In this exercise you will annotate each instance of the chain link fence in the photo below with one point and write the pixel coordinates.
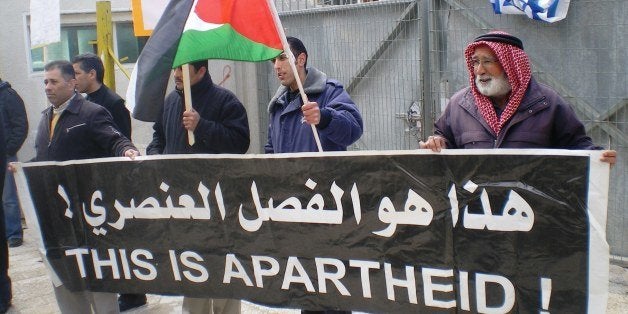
(402, 60)
(373, 49)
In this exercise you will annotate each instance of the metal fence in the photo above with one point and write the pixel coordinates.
(402, 60)
(373, 49)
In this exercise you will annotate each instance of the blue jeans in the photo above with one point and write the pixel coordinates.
(12, 212)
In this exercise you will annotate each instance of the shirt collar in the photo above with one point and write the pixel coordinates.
(64, 105)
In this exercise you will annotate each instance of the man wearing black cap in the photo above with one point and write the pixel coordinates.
(505, 107)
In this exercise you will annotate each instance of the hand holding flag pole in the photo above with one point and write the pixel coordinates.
(193, 30)
(291, 60)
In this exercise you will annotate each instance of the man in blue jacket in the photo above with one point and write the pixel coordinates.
(505, 107)
(330, 109)
(15, 126)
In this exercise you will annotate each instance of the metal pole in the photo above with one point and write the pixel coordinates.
(427, 122)
(104, 32)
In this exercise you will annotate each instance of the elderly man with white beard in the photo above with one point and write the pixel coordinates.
(504, 107)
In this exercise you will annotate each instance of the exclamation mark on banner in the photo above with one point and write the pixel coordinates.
(546, 294)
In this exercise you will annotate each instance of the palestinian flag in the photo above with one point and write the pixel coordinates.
(188, 31)
(242, 30)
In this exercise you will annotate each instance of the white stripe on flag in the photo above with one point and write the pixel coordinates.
(130, 90)
(545, 10)
(152, 11)
(194, 22)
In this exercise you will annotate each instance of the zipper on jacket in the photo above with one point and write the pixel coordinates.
(511, 123)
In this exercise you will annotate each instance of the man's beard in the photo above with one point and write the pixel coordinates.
(497, 86)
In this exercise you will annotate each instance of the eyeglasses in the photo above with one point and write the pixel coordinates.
(486, 63)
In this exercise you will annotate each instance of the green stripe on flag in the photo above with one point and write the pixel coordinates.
(220, 43)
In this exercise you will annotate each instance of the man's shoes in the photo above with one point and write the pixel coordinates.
(15, 242)
(129, 301)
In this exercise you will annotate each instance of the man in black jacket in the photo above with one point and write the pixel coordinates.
(5, 281)
(217, 118)
(219, 124)
(74, 128)
(15, 125)
(90, 71)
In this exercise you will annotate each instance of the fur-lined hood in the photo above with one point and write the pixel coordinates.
(315, 82)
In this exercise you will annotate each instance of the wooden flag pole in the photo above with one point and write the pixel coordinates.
(292, 61)
(293, 66)
(187, 97)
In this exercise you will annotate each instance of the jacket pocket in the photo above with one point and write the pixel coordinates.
(475, 139)
(527, 139)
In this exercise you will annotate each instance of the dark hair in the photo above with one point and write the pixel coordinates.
(199, 64)
(89, 61)
(66, 68)
(297, 47)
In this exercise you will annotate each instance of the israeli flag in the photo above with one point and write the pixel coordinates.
(544, 10)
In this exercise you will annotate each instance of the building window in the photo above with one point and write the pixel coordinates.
(82, 39)
(129, 46)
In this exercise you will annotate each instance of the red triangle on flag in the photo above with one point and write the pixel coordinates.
(240, 15)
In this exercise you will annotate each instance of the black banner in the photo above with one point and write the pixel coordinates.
(380, 232)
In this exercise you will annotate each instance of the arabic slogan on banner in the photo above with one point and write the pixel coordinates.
(476, 231)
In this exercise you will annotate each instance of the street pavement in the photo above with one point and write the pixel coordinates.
(32, 289)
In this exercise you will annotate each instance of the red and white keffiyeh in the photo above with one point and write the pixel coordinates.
(516, 64)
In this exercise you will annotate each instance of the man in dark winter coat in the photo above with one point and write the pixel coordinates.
(504, 107)
(74, 128)
(15, 126)
(5, 281)
(217, 118)
(90, 71)
(219, 124)
(330, 108)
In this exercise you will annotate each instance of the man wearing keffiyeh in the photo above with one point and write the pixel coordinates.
(505, 107)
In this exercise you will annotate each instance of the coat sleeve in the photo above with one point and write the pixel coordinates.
(268, 148)
(229, 133)
(122, 117)
(442, 127)
(157, 145)
(569, 132)
(345, 122)
(107, 135)
(17, 123)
